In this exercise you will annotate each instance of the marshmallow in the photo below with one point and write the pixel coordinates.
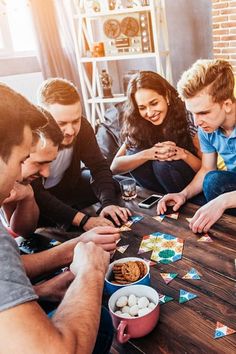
(126, 315)
(125, 309)
(134, 310)
(122, 301)
(143, 311)
(143, 302)
(151, 305)
(132, 300)
(119, 313)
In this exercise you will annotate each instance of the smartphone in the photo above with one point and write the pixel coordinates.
(150, 201)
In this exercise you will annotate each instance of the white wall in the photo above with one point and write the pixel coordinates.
(190, 38)
(26, 84)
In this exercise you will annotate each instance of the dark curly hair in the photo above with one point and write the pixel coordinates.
(140, 133)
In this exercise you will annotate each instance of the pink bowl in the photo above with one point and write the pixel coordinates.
(134, 327)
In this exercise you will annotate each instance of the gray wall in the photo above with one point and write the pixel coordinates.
(190, 32)
(190, 38)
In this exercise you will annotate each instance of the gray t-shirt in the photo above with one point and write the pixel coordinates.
(15, 287)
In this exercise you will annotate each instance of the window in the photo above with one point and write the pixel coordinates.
(16, 29)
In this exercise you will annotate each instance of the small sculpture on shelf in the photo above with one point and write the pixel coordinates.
(125, 4)
(106, 83)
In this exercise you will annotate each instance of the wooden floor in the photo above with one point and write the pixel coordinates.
(188, 327)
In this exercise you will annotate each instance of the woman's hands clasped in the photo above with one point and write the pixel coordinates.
(165, 151)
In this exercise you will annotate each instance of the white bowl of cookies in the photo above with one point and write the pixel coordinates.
(126, 271)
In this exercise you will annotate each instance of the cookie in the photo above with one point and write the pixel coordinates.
(119, 277)
(130, 271)
(117, 271)
(117, 266)
(121, 282)
(142, 268)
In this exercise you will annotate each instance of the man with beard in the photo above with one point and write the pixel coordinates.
(20, 208)
(22, 214)
(79, 311)
(65, 191)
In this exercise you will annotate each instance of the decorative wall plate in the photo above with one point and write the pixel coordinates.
(129, 26)
(112, 28)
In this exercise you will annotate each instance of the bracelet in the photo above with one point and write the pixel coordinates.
(84, 220)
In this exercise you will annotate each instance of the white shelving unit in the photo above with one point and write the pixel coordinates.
(122, 41)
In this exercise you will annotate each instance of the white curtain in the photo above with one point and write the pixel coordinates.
(55, 43)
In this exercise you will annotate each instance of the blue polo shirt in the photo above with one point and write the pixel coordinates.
(224, 146)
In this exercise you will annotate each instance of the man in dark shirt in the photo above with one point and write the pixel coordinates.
(65, 191)
(79, 311)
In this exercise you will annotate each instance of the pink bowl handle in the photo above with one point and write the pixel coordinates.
(121, 336)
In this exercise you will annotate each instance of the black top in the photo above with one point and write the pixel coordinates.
(85, 150)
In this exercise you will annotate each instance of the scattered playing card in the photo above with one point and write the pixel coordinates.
(159, 218)
(168, 277)
(185, 296)
(132, 220)
(163, 299)
(124, 228)
(205, 238)
(167, 248)
(222, 330)
(192, 274)
(148, 243)
(122, 248)
(188, 219)
(173, 216)
(151, 263)
(136, 218)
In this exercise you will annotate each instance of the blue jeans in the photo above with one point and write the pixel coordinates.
(163, 176)
(105, 332)
(219, 182)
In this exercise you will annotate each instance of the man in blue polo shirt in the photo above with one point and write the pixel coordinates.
(208, 91)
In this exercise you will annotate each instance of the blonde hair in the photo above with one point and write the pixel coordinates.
(214, 75)
(57, 90)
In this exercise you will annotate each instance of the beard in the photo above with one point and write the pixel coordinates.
(68, 146)
(29, 179)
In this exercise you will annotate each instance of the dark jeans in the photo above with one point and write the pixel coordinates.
(105, 332)
(219, 182)
(163, 176)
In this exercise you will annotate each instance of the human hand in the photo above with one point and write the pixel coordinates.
(20, 192)
(89, 257)
(206, 216)
(54, 289)
(171, 199)
(113, 211)
(159, 151)
(104, 236)
(165, 150)
(180, 154)
(95, 221)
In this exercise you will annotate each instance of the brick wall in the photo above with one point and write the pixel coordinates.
(224, 30)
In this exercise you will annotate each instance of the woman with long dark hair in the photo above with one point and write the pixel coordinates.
(160, 145)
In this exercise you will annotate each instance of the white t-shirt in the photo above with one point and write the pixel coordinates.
(58, 168)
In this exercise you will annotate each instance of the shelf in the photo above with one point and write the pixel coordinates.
(123, 57)
(116, 99)
(114, 12)
(87, 29)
